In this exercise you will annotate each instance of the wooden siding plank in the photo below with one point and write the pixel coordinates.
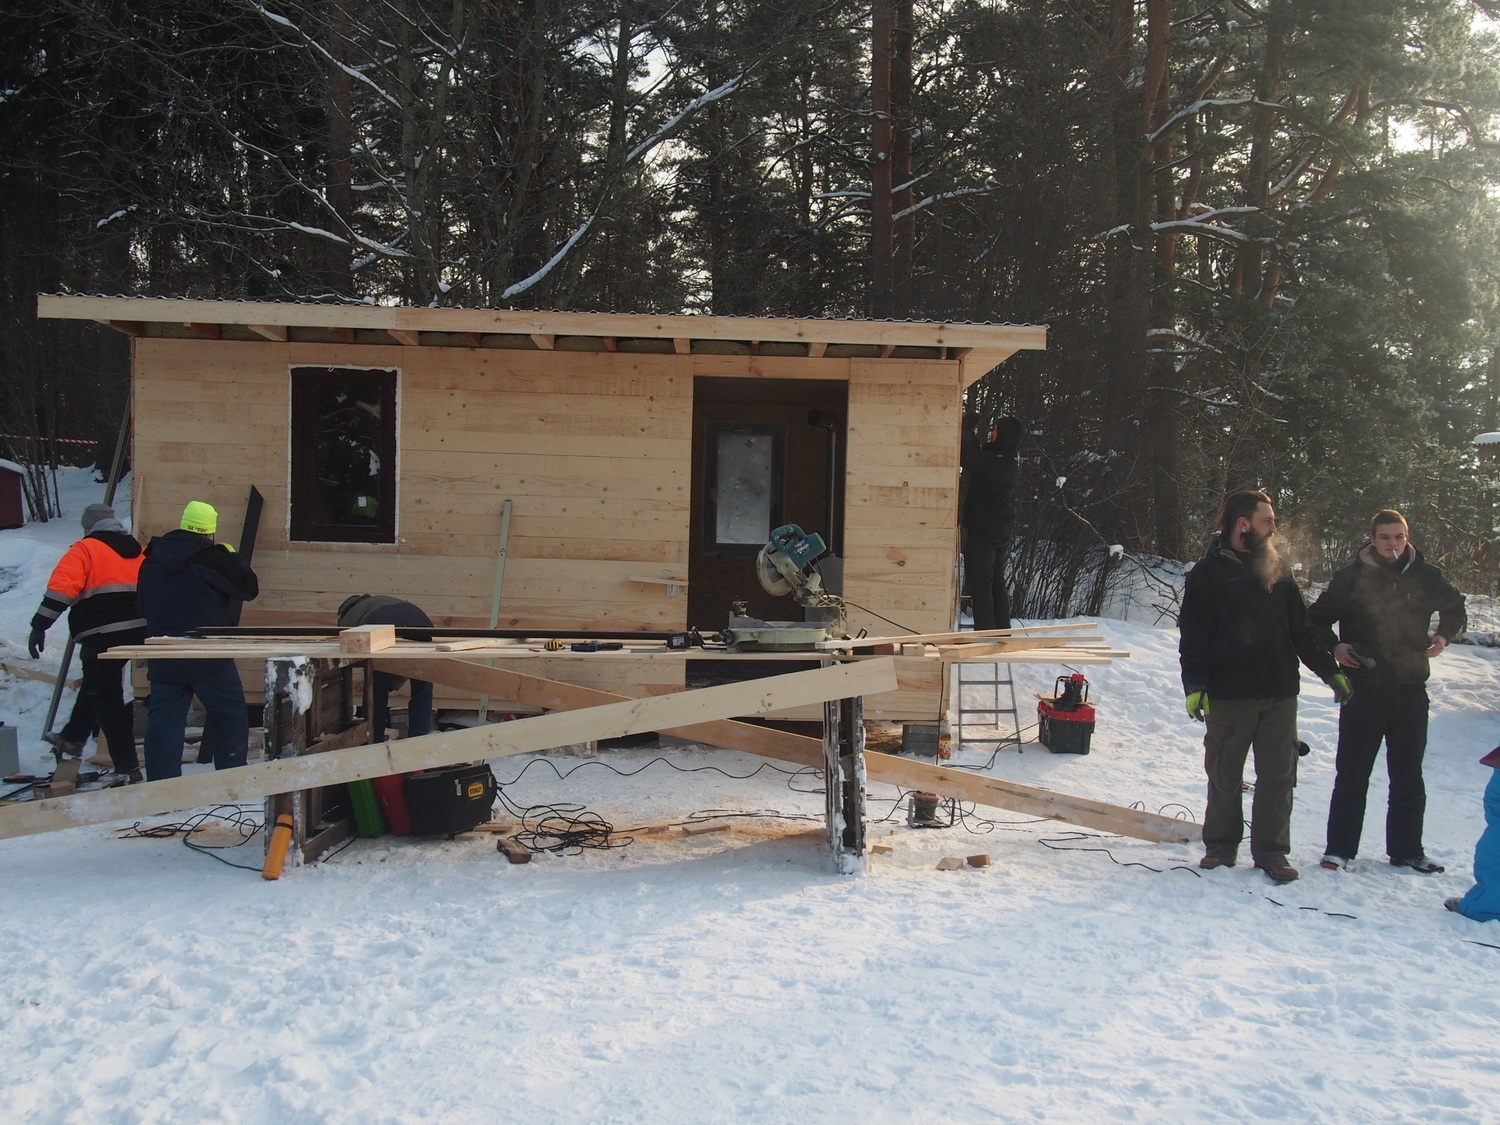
(537, 442)
(770, 367)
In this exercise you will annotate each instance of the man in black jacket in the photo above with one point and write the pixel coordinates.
(989, 513)
(188, 581)
(1244, 626)
(383, 609)
(1383, 602)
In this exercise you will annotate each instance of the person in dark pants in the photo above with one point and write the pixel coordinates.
(382, 609)
(81, 725)
(1383, 603)
(989, 513)
(95, 581)
(1244, 627)
(188, 582)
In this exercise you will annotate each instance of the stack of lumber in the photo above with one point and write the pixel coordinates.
(1025, 644)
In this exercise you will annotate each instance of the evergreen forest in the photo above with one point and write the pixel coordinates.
(1264, 234)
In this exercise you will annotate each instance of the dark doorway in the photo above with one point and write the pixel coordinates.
(765, 452)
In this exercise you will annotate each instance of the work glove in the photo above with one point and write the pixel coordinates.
(1197, 705)
(36, 642)
(1343, 691)
(228, 547)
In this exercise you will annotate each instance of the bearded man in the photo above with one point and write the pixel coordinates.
(1383, 603)
(1243, 627)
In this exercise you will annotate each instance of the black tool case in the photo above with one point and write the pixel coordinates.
(443, 802)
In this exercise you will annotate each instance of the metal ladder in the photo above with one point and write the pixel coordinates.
(989, 678)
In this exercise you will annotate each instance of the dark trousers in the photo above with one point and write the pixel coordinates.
(984, 568)
(103, 699)
(1397, 715)
(81, 722)
(418, 711)
(217, 685)
(1234, 726)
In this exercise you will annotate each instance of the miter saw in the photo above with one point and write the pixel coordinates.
(787, 564)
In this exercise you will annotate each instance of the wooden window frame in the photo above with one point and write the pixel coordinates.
(305, 380)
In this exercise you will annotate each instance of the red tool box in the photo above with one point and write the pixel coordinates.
(1065, 722)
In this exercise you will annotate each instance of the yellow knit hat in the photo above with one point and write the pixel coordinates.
(200, 518)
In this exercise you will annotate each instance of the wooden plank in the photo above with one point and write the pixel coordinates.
(557, 695)
(269, 331)
(367, 638)
(406, 337)
(1003, 650)
(543, 732)
(966, 786)
(770, 367)
(513, 851)
(545, 341)
(526, 321)
(944, 638)
(36, 675)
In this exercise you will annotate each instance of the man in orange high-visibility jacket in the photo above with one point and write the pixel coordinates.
(95, 582)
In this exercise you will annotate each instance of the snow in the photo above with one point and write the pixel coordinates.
(732, 975)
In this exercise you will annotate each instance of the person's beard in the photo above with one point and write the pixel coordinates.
(1266, 562)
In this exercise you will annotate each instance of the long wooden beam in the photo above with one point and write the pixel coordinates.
(563, 728)
(556, 695)
(982, 790)
(801, 750)
(995, 341)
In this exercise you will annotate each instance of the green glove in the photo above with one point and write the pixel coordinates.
(1197, 705)
(1343, 691)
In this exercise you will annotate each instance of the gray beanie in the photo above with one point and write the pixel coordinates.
(94, 513)
(106, 525)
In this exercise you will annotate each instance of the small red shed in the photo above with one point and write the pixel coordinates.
(12, 500)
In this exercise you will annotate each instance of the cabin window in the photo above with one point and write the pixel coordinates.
(745, 464)
(343, 455)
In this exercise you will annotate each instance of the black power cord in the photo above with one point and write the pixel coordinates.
(570, 829)
(237, 815)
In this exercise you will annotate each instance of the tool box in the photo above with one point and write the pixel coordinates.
(444, 802)
(1065, 720)
(388, 791)
(368, 821)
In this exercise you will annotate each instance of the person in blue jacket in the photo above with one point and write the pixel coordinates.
(187, 582)
(1482, 903)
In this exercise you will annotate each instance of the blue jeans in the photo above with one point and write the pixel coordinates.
(418, 712)
(217, 684)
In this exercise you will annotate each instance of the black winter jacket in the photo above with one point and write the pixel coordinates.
(383, 609)
(1241, 640)
(989, 486)
(1385, 612)
(188, 582)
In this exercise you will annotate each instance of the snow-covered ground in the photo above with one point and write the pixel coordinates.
(731, 976)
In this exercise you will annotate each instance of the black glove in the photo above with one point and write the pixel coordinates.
(36, 642)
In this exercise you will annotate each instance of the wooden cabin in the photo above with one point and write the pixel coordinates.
(645, 459)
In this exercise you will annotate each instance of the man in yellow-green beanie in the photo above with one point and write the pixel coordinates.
(188, 582)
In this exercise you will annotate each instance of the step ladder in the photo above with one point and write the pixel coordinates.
(993, 687)
(992, 717)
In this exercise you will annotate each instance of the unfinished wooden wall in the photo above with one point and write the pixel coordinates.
(593, 450)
